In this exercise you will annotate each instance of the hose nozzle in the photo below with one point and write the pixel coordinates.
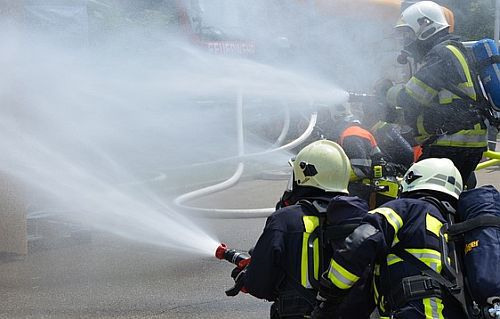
(239, 258)
(219, 252)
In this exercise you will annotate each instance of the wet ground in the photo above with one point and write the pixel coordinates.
(113, 278)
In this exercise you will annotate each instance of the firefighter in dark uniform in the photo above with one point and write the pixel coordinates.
(359, 145)
(365, 155)
(436, 101)
(284, 268)
(412, 224)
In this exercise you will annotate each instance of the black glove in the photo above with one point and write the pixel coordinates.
(239, 281)
(328, 300)
(324, 309)
(380, 89)
(235, 272)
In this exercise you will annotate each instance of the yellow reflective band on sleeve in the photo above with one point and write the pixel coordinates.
(446, 97)
(433, 308)
(433, 224)
(463, 62)
(310, 224)
(420, 91)
(340, 276)
(392, 217)
(393, 259)
(395, 241)
(468, 88)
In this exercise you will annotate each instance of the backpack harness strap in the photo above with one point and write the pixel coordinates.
(488, 61)
(486, 220)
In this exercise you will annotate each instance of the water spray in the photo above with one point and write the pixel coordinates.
(355, 97)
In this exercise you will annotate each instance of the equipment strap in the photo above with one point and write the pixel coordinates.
(330, 233)
(489, 61)
(313, 207)
(486, 220)
(426, 270)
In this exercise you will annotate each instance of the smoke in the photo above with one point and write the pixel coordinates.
(90, 129)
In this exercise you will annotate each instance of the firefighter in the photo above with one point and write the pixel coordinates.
(360, 146)
(284, 269)
(362, 149)
(411, 224)
(435, 99)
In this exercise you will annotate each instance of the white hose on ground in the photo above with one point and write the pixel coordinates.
(238, 213)
(286, 127)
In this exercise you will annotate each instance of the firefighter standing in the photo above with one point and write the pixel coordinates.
(411, 224)
(436, 101)
(284, 268)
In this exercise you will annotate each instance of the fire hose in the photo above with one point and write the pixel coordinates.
(231, 181)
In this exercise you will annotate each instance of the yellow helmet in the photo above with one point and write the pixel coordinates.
(434, 174)
(322, 164)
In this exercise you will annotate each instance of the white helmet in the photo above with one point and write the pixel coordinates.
(434, 174)
(322, 164)
(424, 18)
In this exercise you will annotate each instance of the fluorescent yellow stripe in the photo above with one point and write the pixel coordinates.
(391, 216)
(420, 91)
(465, 67)
(310, 224)
(316, 258)
(393, 259)
(464, 138)
(433, 308)
(433, 224)
(430, 257)
(303, 265)
(446, 97)
(340, 276)
(395, 241)
(421, 129)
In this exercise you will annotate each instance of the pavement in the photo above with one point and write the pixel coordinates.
(115, 278)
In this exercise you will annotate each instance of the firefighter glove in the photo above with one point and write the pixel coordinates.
(380, 89)
(324, 309)
(392, 95)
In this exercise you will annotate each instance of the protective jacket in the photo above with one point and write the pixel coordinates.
(407, 223)
(437, 115)
(284, 269)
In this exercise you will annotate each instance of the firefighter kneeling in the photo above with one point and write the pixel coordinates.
(291, 254)
(403, 241)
